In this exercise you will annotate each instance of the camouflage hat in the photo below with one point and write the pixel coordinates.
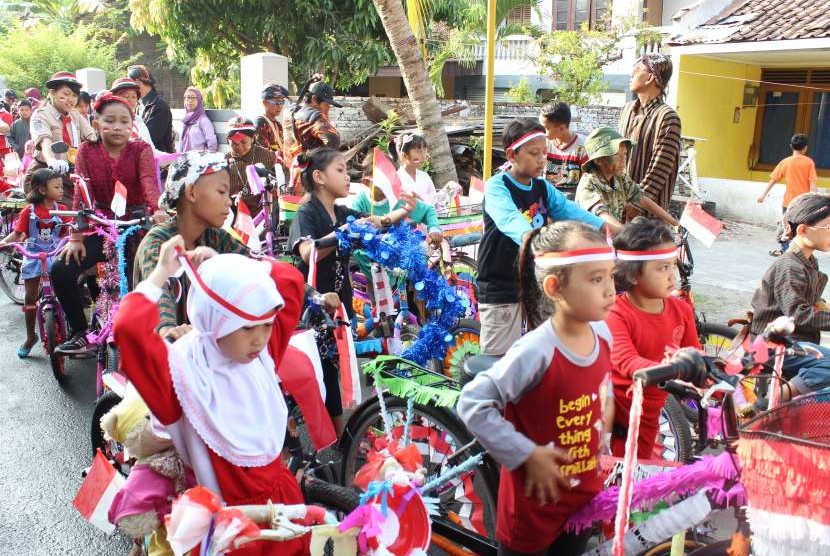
(603, 141)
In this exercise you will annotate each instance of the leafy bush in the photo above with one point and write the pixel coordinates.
(28, 57)
(521, 93)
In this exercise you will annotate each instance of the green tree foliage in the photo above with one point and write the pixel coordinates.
(28, 57)
(64, 13)
(521, 93)
(343, 39)
(574, 59)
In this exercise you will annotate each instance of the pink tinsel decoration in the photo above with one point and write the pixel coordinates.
(710, 473)
(629, 463)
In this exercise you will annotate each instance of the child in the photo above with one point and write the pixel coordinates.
(799, 173)
(539, 410)
(323, 175)
(566, 148)
(215, 390)
(42, 233)
(412, 153)
(605, 189)
(27, 155)
(515, 202)
(104, 163)
(645, 321)
(793, 286)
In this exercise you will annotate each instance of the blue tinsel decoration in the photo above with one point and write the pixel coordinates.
(120, 247)
(402, 247)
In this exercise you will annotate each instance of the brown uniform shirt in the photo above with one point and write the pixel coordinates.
(46, 123)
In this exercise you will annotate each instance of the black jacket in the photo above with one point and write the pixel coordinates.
(159, 119)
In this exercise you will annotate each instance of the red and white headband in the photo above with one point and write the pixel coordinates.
(524, 139)
(564, 258)
(648, 255)
(196, 280)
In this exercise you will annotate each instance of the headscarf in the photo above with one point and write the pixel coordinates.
(237, 409)
(33, 92)
(188, 168)
(660, 66)
(192, 118)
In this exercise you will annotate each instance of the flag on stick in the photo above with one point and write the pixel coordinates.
(703, 226)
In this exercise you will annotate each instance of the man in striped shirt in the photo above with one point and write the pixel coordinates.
(655, 127)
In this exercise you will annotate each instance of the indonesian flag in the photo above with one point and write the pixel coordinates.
(700, 224)
(349, 371)
(100, 486)
(299, 366)
(119, 199)
(385, 177)
(476, 189)
(86, 198)
(244, 226)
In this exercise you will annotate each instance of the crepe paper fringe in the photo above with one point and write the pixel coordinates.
(711, 473)
(681, 516)
(402, 248)
(777, 534)
(786, 478)
(629, 465)
(418, 385)
(451, 473)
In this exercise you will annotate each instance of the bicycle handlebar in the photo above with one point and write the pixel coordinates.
(688, 365)
(19, 247)
(98, 220)
(325, 242)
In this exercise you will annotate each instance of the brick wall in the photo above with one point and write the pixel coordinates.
(350, 120)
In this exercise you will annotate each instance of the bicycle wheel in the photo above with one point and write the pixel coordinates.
(54, 336)
(715, 339)
(467, 344)
(338, 498)
(113, 451)
(720, 548)
(664, 548)
(674, 441)
(467, 505)
(10, 281)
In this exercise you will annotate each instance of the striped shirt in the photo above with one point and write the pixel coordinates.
(792, 287)
(171, 313)
(656, 157)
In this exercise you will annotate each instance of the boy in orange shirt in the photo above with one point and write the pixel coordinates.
(799, 173)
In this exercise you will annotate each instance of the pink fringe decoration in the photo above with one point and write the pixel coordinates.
(711, 473)
(629, 463)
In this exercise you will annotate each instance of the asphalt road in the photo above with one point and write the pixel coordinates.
(44, 447)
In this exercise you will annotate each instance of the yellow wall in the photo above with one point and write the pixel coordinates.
(706, 105)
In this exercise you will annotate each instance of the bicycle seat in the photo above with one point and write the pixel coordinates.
(477, 364)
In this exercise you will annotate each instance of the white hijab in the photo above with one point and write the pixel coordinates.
(237, 409)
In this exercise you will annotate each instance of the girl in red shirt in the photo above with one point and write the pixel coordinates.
(42, 234)
(106, 163)
(215, 390)
(645, 321)
(539, 411)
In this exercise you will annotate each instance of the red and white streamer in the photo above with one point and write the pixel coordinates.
(629, 465)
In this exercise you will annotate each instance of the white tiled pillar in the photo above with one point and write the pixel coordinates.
(93, 79)
(256, 70)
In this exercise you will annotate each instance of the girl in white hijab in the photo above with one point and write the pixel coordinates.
(216, 390)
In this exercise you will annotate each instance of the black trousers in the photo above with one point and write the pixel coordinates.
(566, 544)
(65, 281)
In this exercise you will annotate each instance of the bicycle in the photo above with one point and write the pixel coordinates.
(11, 262)
(48, 312)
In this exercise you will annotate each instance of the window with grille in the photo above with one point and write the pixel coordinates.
(519, 16)
(569, 15)
(792, 101)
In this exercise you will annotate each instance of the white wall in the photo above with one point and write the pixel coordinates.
(736, 200)
(671, 7)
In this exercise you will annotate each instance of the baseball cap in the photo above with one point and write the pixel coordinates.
(324, 93)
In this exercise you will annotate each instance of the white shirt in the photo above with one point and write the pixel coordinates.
(421, 186)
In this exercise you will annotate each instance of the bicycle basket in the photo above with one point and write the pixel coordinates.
(785, 469)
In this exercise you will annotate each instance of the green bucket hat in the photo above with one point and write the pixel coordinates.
(603, 141)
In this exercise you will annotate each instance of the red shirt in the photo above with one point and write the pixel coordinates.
(641, 340)
(21, 226)
(144, 361)
(135, 167)
(565, 409)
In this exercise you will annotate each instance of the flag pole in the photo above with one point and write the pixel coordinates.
(489, 89)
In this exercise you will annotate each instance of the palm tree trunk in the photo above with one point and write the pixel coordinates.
(421, 94)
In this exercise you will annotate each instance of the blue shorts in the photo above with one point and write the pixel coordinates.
(808, 373)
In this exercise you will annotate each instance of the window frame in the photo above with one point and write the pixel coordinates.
(593, 14)
(802, 119)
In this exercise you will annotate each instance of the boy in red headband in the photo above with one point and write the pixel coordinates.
(516, 202)
(645, 321)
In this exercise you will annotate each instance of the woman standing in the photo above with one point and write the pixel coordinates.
(57, 120)
(198, 133)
